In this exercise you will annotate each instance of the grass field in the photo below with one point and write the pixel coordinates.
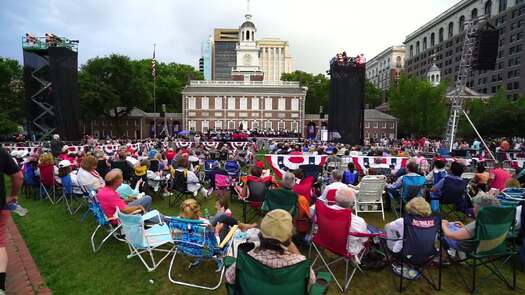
(60, 246)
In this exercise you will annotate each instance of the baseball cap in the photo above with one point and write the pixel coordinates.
(277, 225)
(64, 163)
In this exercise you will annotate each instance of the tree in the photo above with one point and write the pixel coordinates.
(499, 116)
(419, 106)
(373, 95)
(11, 96)
(110, 82)
(318, 89)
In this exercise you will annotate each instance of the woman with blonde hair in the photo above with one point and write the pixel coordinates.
(394, 230)
(88, 177)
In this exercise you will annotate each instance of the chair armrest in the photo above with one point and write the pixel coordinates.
(229, 236)
(367, 235)
(151, 214)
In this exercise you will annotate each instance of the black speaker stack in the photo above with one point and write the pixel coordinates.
(486, 49)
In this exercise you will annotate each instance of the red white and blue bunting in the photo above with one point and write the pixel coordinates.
(283, 163)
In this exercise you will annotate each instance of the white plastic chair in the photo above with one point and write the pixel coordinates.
(370, 194)
(146, 241)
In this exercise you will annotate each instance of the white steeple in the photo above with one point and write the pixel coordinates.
(434, 74)
(247, 51)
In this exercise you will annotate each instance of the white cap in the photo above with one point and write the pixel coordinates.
(64, 163)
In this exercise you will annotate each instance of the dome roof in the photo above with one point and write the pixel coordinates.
(434, 68)
(248, 24)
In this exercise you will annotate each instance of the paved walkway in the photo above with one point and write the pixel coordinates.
(23, 276)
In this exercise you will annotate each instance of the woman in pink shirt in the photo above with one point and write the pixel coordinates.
(499, 176)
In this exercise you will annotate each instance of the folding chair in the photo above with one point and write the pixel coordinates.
(412, 186)
(251, 205)
(493, 249)
(180, 189)
(305, 188)
(370, 193)
(233, 169)
(452, 199)
(195, 238)
(109, 225)
(419, 249)
(208, 168)
(47, 183)
(146, 241)
(331, 233)
(280, 199)
(31, 182)
(350, 177)
(512, 196)
(255, 278)
(69, 195)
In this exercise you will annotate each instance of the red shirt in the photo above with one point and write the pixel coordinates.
(500, 177)
(109, 200)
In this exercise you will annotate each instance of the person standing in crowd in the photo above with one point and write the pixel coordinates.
(498, 177)
(56, 145)
(8, 166)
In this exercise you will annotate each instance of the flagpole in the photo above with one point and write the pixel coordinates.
(154, 79)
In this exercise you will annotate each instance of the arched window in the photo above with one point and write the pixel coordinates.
(253, 35)
(502, 5)
(474, 13)
(417, 47)
(411, 50)
(488, 8)
(424, 43)
(461, 23)
(432, 78)
(398, 62)
(432, 39)
(441, 35)
(450, 29)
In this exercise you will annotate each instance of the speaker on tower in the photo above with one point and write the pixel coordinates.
(486, 51)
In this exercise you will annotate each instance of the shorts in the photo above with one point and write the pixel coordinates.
(4, 217)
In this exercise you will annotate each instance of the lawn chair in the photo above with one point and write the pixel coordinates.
(492, 248)
(255, 278)
(208, 168)
(280, 199)
(305, 188)
(251, 205)
(512, 196)
(109, 225)
(452, 200)
(233, 169)
(180, 188)
(47, 183)
(350, 177)
(195, 238)
(412, 186)
(146, 241)
(331, 233)
(419, 250)
(31, 182)
(370, 193)
(69, 195)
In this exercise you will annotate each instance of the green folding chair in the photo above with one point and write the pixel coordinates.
(255, 278)
(493, 249)
(280, 199)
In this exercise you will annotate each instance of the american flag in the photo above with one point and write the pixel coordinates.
(154, 65)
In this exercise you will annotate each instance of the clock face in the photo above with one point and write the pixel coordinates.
(247, 59)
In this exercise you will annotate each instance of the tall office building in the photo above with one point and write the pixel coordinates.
(224, 57)
(275, 58)
(442, 39)
(206, 58)
(385, 68)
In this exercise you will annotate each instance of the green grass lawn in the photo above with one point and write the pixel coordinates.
(60, 246)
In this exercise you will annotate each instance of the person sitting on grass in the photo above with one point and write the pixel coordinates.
(456, 233)
(276, 249)
(394, 230)
(110, 200)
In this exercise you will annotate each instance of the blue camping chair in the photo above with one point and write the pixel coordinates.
(233, 169)
(350, 177)
(108, 224)
(452, 199)
(195, 238)
(69, 195)
(512, 196)
(419, 250)
(31, 182)
(146, 241)
(412, 187)
(208, 168)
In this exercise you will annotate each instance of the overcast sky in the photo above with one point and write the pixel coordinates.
(315, 29)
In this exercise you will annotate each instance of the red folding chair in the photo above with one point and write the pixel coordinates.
(305, 187)
(47, 183)
(331, 233)
(330, 196)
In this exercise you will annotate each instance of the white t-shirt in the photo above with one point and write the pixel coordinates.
(88, 180)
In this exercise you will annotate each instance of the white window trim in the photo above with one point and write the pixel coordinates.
(255, 103)
(231, 122)
(243, 103)
(230, 106)
(268, 103)
(268, 123)
(294, 105)
(205, 106)
(281, 125)
(192, 103)
(218, 102)
(281, 104)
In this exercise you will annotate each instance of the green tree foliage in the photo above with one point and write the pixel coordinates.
(373, 95)
(11, 96)
(107, 83)
(318, 89)
(419, 106)
(499, 116)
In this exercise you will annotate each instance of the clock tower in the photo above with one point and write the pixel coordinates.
(247, 67)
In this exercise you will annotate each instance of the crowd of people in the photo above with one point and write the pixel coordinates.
(128, 177)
